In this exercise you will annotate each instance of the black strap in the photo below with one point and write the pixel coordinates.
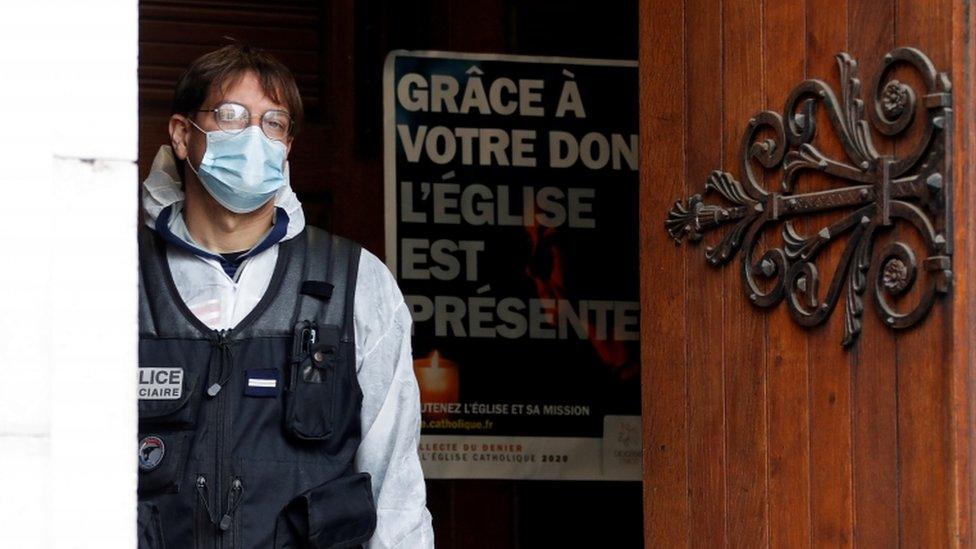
(318, 256)
(147, 316)
(338, 273)
(331, 266)
(316, 288)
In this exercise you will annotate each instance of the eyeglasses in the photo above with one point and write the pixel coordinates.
(234, 118)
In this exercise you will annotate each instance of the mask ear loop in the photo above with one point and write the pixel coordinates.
(192, 169)
(187, 159)
(203, 131)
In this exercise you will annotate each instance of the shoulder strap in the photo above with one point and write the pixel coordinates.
(345, 268)
(318, 256)
(159, 313)
(147, 320)
(334, 260)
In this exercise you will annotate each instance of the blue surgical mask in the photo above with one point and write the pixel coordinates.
(242, 171)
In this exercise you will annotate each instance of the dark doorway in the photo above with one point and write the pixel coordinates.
(336, 49)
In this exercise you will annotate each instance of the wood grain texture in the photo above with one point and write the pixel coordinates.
(787, 416)
(664, 386)
(923, 379)
(706, 360)
(963, 307)
(745, 364)
(831, 504)
(871, 446)
(873, 369)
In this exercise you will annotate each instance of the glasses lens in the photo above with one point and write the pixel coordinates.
(276, 124)
(232, 117)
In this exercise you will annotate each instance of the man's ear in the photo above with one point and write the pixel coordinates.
(179, 132)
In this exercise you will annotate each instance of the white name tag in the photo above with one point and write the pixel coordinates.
(258, 382)
(160, 383)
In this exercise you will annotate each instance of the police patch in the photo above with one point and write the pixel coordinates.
(160, 383)
(151, 452)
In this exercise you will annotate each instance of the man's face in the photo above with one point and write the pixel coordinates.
(188, 141)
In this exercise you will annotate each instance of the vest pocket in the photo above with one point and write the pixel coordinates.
(309, 389)
(339, 513)
(149, 527)
(165, 431)
(171, 413)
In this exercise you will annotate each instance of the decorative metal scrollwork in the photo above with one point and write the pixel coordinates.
(878, 192)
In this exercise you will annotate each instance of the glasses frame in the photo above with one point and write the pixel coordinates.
(291, 120)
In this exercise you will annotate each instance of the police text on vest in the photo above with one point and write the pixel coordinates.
(160, 383)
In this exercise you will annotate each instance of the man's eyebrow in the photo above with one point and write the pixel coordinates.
(226, 100)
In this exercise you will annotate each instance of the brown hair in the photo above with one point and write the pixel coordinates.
(225, 66)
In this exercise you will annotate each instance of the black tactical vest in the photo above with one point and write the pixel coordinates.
(247, 436)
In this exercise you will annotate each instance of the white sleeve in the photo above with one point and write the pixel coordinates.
(390, 410)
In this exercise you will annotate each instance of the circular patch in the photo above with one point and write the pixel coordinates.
(151, 452)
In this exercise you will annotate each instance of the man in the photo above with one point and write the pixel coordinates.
(278, 405)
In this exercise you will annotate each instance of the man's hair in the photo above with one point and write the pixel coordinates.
(224, 67)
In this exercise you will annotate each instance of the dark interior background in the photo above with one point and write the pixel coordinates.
(336, 50)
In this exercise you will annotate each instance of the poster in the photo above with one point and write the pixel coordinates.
(511, 208)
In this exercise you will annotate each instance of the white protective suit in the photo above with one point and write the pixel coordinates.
(391, 399)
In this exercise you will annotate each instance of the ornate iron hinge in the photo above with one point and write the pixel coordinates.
(878, 192)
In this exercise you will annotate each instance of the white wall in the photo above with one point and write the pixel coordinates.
(68, 273)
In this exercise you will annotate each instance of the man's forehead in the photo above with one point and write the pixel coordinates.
(244, 88)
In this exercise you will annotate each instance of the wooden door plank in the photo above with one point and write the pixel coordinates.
(830, 375)
(706, 438)
(963, 309)
(923, 378)
(874, 398)
(744, 328)
(786, 357)
(663, 356)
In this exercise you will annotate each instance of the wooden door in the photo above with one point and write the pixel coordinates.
(759, 431)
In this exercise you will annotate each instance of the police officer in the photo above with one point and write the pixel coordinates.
(277, 401)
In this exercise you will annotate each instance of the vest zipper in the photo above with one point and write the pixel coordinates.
(223, 348)
(203, 523)
(204, 495)
(226, 360)
(233, 500)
